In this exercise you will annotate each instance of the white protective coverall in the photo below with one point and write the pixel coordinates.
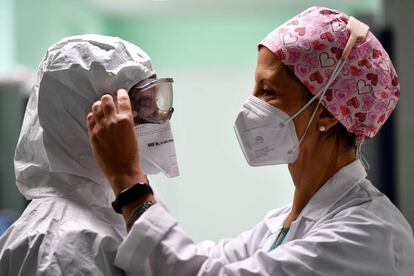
(347, 228)
(69, 227)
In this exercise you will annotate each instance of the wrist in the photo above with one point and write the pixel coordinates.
(120, 182)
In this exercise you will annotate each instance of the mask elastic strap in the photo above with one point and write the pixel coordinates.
(357, 30)
(360, 155)
(321, 93)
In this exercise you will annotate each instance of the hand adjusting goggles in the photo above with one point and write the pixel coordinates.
(151, 100)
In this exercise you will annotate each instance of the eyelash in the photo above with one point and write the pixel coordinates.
(267, 92)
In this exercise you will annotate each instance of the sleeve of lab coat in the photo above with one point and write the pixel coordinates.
(342, 246)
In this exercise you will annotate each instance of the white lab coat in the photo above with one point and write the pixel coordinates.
(347, 228)
(69, 227)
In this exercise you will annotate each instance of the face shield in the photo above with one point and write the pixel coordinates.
(151, 100)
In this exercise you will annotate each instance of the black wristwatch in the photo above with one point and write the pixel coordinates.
(130, 194)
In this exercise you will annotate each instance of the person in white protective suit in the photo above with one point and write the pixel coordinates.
(69, 227)
(324, 84)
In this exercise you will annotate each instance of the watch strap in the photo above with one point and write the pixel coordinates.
(130, 194)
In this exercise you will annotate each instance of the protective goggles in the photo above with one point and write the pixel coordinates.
(151, 101)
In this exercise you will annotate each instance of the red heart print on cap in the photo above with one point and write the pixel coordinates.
(337, 52)
(328, 36)
(316, 76)
(280, 54)
(317, 45)
(368, 102)
(376, 53)
(301, 31)
(327, 12)
(381, 119)
(361, 116)
(355, 71)
(328, 95)
(349, 84)
(345, 111)
(340, 94)
(302, 70)
(353, 102)
(345, 19)
(293, 22)
(365, 62)
(397, 93)
(311, 59)
(395, 81)
(373, 78)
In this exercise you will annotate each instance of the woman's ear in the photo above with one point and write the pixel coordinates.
(324, 119)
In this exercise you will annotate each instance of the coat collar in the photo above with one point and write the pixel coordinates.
(325, 198)
(333, 190)
(274, 219)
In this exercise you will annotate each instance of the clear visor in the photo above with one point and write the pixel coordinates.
(152, 100)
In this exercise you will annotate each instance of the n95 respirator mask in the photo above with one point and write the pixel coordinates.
(263, 134)
(157, 149)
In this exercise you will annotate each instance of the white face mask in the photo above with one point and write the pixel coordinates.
(267, 135)
(263, 135)
(157, 149)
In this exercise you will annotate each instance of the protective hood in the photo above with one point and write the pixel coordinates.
(53, 157)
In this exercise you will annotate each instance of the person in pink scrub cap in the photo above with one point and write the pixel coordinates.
(324, 85)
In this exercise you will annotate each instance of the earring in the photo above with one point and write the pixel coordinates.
(322, 128)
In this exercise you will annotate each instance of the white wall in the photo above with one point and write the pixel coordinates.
(217, 194)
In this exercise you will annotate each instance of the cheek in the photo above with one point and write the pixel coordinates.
(301, 122)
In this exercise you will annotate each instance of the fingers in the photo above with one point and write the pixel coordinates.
(108, 106)
(124, 104)
(90, 122)
(98, 112)
(106, 111)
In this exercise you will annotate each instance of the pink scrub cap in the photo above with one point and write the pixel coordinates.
(366, 89)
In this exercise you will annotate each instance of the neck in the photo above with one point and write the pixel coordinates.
(312, 169)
